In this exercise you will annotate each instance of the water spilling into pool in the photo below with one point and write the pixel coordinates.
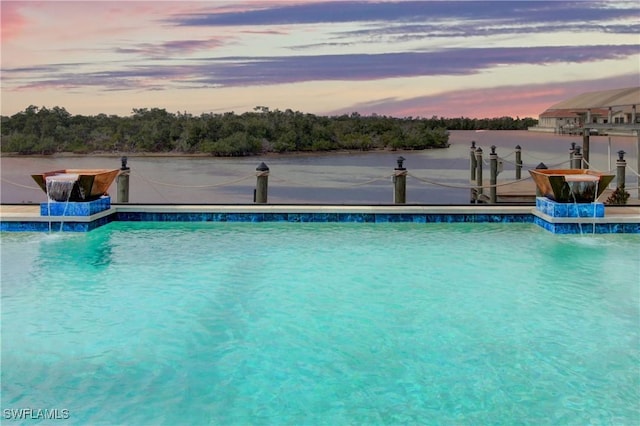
(222, 323)
(59, 189)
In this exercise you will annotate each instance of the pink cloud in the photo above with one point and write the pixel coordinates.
(12, 20)
(68, 20)
(513, 101)
(523, 101)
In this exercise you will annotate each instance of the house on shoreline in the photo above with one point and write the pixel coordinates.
(602, 112)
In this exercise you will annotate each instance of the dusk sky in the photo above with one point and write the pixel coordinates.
(398, 58)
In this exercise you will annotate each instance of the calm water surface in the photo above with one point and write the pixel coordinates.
(321, 324)
(436, 176)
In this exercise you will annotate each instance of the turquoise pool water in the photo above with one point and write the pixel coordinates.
(320, 323)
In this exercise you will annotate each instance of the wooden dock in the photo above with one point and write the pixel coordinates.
(520, 192)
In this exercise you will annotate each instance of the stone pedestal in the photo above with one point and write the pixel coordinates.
(75, 208)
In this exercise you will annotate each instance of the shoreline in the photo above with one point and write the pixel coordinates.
(205, 155)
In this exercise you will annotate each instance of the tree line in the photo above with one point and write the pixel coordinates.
(48, 131)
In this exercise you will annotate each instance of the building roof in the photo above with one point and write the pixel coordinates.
(603, 99)
(573, 113)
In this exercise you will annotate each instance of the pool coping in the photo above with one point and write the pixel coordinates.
(26, 217)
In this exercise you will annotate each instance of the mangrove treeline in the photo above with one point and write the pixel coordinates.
(48, 131)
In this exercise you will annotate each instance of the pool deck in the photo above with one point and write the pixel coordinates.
(26, 217)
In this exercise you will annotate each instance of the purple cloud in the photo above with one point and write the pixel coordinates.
(418, 20)
(272, 70)
(171, 48)
(506, 12)
(248, 71)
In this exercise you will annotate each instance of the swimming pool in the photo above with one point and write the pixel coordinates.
(332, 323)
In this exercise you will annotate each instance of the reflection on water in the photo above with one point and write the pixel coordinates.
(341, 178)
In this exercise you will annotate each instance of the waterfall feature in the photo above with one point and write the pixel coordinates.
(583, 187)
(568, 198)
(59, 188)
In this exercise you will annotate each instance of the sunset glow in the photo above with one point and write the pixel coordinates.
(399, 58)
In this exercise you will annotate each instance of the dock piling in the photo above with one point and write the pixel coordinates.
(621, 165)
(262, 184)
(576, 159)
(493, 175)
(472, 162)
(585, 147)
(122, 182)
(478, 174)
(400, 182)
(472, 170)
(572, 151)
(518, 162)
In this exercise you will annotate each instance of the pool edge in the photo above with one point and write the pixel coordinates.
(24, 218)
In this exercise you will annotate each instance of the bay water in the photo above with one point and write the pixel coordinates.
(438, 176)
